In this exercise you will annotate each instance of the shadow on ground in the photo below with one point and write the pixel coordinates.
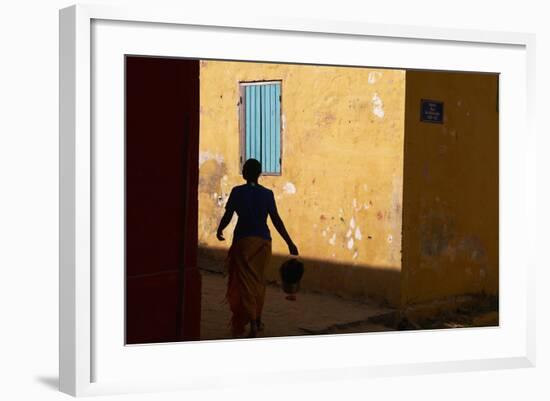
(311, 313)
(322, 307)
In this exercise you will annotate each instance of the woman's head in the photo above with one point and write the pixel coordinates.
(252, 170)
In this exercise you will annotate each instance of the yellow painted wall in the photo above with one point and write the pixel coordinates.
(340, 192)
(450, 219)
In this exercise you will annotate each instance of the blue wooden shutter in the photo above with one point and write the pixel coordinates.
(253, 120)
(263, 125)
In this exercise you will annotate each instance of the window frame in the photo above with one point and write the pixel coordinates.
(242, 122)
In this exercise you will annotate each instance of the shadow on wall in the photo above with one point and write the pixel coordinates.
(354, 282)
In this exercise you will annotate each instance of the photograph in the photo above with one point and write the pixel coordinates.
(290, 201)
(268, 199)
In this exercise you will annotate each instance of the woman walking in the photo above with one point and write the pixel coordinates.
(250, 249)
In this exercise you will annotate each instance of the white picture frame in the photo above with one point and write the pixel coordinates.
(84, 348)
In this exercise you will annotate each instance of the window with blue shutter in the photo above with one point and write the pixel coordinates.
(260, 116)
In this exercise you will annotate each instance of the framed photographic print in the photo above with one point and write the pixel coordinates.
(313, 190)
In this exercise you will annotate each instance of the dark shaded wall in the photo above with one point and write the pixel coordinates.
(451, 188)
(162, 130)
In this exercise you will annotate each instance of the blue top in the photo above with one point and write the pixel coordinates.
(252, 202)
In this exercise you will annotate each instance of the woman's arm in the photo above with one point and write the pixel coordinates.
(224, 222)
(280, 227)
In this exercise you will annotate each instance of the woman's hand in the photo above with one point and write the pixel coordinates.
(292, 249)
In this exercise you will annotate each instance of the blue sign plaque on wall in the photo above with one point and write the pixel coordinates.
(431, 111)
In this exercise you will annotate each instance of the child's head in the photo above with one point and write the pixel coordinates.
(252, 170)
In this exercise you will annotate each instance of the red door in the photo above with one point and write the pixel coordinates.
(163, 284)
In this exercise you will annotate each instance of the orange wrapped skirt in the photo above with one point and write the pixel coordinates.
(246, 262)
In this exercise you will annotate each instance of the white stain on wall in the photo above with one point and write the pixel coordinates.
(207, 155)
(332, 240)
(289, 188)
(356, 206)
(358, 235)
(350, 243)
(377, 106)
(374, 76)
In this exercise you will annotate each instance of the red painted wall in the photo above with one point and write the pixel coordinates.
(162, 132)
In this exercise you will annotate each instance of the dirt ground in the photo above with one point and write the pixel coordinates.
(314, 313)
(310, 313)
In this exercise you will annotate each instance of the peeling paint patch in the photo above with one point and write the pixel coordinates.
(472, 247)
(352, 223)
(374, 76)
(358, 235)
(332, 239)
(348, 234)
(350, 243)
(355, 255)
(289, 188)
(377, 106)
(207, 155)
(390, 238)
